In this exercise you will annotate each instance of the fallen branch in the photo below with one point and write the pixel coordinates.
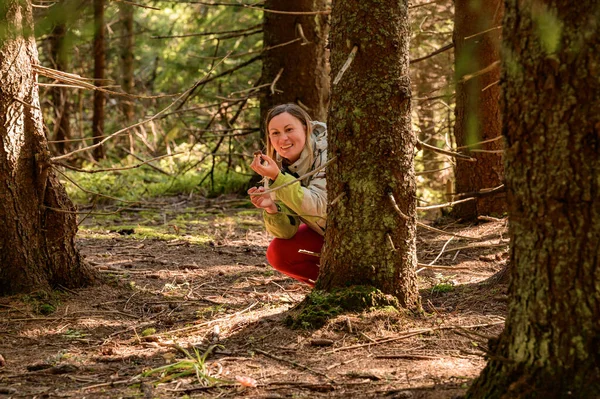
(197, 326)
(295, 364)
(412, 333)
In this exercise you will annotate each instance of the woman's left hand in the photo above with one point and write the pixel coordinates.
(265, 166)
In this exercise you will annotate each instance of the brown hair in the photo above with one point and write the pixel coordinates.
(297, 112)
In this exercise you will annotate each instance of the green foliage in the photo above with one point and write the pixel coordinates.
(192, 365)
(444, 284)
(46, 309)
(42, 302)
(73, 334)
(143, 182)
(442, 288)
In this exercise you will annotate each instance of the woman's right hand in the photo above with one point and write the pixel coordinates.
(262, 201)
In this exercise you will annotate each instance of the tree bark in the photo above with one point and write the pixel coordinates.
(99, 69)
(305, 76)
(477, 110)
(367, 242)
(37, 248)
(60, 95)
(551, 108)
(127, 83)
(127, 58)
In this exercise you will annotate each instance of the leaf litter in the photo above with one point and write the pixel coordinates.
(179, 317)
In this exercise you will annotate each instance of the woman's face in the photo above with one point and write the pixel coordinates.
(287, 135)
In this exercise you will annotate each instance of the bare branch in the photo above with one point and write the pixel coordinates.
(256, 51)
(346, 64)
(298, 178)
(449, 153)
(490, 85)
(275, 81)
(483, 32)
(436, 52)
(137, 5)
(481, 193)
(425, 172)
(483, 71)
(478, 143)
(226, 32)
(96, 193)
(489, 151)
(447, 204)
(132, 126)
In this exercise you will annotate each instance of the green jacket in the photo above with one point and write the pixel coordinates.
(302, 201)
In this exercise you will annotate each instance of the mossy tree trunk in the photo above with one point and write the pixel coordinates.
(367, 242)
(37, 249)
(305, 76)
(477, 108)
(551, 108)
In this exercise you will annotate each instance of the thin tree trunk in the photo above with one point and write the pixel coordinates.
(127, 58)
(99, 66)
(367, 241)
(300, 69)
(60, 95)
(37, 249)
(127, 84)
(551, 107)
(477, 104)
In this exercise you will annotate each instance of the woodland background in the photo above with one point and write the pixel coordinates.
(152, 112)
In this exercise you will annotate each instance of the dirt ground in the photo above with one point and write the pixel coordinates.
(187, 307)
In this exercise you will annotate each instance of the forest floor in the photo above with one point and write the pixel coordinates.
(186, 306)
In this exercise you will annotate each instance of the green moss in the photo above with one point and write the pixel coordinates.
(46, 309)
(148, 331)
(442, 287)
(320, 306)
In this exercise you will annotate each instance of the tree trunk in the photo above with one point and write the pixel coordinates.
(60, 95)
(99, 61)
(127, 58)
(37, 249)
(127, 83)
(301, 68)
(551, 108)
(477, 109)
(367, 241)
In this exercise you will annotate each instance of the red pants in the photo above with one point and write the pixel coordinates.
(283, 255)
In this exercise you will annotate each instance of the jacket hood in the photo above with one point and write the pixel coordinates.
(319, 135)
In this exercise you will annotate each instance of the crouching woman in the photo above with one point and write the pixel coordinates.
(296, 213)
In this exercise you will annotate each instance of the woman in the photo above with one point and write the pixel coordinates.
(294, 214)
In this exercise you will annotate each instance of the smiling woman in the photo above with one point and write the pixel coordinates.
(296, 213)
(287, 135)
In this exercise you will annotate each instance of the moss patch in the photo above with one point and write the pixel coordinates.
(320, 306)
